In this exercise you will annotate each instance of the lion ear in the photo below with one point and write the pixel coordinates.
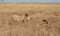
(16, 17)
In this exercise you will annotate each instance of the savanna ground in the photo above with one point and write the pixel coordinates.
(43, 19)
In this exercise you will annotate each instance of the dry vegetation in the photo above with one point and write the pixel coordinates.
(29, 19)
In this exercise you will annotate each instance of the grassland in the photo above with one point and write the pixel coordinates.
(32, 19)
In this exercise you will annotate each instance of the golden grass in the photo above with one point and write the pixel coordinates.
(44, 19)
